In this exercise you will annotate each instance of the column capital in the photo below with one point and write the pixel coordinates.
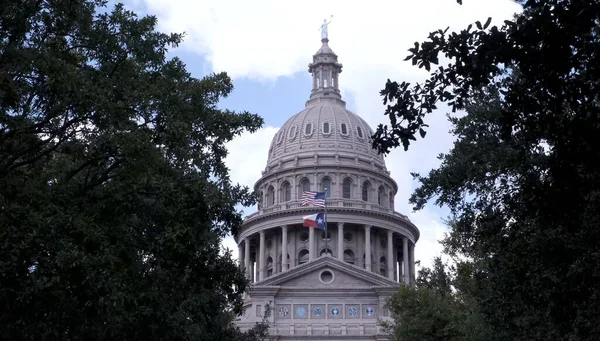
(368, 226)
(340, 223)
(284, 227)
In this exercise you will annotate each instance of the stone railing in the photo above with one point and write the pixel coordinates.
(331, 203)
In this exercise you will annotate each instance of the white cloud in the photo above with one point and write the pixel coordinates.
(266, 39)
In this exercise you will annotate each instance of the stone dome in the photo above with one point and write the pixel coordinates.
(325, 126)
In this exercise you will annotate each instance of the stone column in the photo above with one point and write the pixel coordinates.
(411, 259)
(368, 263)
(261, 256)
(390, 254)
(405, 260)
(311, 243)
(340, 242)
(247, 257)
(284, 241)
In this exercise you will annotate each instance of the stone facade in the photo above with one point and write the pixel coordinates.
(329, 285)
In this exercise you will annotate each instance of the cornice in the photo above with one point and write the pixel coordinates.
(262, 217)
(375, 279)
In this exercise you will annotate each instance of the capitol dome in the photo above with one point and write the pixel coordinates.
(325, 125)
(332, 282)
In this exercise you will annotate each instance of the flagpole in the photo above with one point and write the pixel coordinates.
(326, 231)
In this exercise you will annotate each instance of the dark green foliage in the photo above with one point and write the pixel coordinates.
(432, 311)
(114, 195)
(523, 178)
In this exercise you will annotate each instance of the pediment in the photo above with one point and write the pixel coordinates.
(327, 272)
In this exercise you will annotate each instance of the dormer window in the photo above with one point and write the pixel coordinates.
(292, 133)
(344, 129)
(326, 129)
(359, 132)
(308, 129)
(280, 137)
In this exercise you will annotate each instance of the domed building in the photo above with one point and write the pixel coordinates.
(325, 284)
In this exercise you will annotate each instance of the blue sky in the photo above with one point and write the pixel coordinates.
(266, 45)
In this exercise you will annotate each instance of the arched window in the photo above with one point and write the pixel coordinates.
(326, 186)
(304, 186)
(260, 200)
(346, 188)
(270, 196)
(359, 132)
(365, 191)
(302, 256)
(326, 79)
(381, 196)
(286, 192)
(391, 200)
(349, 256)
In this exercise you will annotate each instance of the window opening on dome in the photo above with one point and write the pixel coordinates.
(380, 196)
(308, 129)
(359, 132)
(280, 137)
(344, 129)
(304, 186)
(326, 128)
(325, 79)
(292, 133)
(286, 191)
(318, 79)
(365, 191)
(346, 188)
(391, 199)
(326, 186)
(271, 196)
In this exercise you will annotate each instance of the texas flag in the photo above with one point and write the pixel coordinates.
(315, 220)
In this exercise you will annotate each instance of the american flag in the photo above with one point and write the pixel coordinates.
(313, 198)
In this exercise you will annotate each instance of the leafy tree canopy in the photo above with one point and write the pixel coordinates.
(436, 309)
(114, 194)
(522, 179)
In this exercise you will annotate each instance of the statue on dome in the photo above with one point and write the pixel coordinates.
(324, 28)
